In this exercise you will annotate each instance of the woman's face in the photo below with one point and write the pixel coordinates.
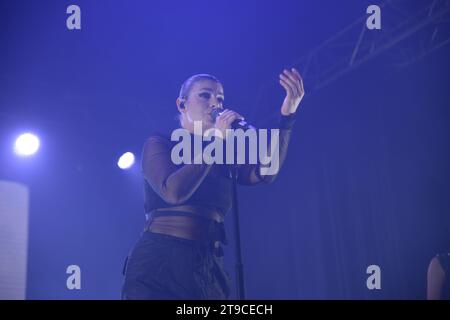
(204, 96)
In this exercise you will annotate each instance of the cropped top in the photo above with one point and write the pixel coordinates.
(168, 185)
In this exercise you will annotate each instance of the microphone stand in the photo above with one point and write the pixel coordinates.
(240, 286)
(233, 169)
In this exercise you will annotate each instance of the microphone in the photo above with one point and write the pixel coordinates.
(236, 124)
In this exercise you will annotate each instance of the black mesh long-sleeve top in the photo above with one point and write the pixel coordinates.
(168, 185)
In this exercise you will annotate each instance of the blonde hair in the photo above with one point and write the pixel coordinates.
(187, 85)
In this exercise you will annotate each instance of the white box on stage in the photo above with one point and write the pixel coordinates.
(14, 200)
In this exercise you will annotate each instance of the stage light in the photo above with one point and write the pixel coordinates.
(26, 144)
(126, 160)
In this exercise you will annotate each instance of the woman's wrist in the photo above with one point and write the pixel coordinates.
(287, 121)
(286, 113)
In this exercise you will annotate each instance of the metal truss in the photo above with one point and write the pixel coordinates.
(409, 31)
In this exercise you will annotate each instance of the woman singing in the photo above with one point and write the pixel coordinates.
(179, 254)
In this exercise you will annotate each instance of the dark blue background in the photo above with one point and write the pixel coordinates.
(367, 176)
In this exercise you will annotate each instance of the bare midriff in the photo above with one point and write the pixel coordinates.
(192, 227)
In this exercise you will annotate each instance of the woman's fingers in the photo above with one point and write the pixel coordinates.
(286, 87)
(224, 115)
(294, 80)
(228, 116)
(297, 74)
(294, 90)
(299, 77)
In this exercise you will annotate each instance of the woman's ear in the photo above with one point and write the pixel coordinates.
(180, 104)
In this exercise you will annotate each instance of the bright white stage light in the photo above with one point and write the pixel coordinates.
(126, 160)
(26, 144)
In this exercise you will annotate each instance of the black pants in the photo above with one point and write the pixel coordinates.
(166, 267)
